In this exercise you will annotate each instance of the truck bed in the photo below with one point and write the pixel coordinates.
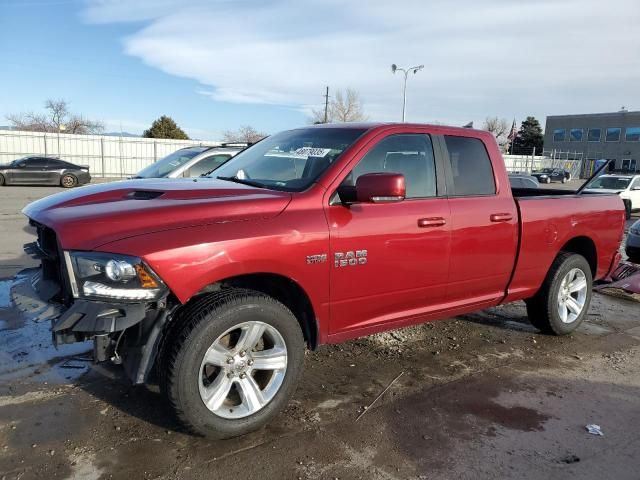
(549, 219)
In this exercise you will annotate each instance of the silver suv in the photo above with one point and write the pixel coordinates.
(191, 162)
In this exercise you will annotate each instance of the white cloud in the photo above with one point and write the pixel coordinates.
(481, 58)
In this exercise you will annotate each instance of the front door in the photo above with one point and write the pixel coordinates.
(30, 170)
(390, 261)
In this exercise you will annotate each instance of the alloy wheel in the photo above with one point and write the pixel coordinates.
(572, 295)
(243, 370)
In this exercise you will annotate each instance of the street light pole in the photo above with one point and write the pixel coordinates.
(406, 71)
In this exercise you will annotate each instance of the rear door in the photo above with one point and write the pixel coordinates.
(484, 223)
(37, 171)
(390, 261)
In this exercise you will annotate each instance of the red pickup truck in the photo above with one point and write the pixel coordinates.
(311, 236)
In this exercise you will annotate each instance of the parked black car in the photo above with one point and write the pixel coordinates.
(547, 175)
(44, 171)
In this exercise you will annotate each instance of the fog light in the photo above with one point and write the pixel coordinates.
(119, 270)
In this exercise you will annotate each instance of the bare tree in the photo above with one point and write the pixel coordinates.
(245, 134)
(500, 129)
(343, 107)
(56, 119)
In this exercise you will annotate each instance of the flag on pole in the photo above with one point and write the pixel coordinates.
(514, 131)
(512, 136)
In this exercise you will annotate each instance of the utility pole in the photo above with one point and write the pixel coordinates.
(406, 71)
(326, 106)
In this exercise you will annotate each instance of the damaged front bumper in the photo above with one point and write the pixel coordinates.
(127, 334)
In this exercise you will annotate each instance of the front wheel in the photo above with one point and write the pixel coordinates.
(1, 179)
(562, 302)
(233, 363)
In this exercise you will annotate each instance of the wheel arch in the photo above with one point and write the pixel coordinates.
(282, 288)
(586, 247)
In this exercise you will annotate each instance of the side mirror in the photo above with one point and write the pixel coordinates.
(380, 188)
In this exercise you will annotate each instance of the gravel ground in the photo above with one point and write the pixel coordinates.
(481, 396)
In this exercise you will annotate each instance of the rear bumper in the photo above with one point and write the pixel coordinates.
(83, 177)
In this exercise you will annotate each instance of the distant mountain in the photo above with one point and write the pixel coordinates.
(120, 134)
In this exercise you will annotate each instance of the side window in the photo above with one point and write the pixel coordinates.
(410, 155)
(470, 166)
(57, 164)
(37, 162)
(206, 165)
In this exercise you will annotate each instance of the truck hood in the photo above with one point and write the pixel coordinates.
(87, 217)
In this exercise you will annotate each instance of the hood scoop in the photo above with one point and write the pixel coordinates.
(144, 194)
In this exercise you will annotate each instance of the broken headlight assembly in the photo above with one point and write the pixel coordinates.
(106, 276)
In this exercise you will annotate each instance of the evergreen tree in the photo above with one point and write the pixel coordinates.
(165, 127)
(529, 137)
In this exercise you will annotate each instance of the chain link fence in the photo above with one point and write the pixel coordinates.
(526, 162)
(106, 156)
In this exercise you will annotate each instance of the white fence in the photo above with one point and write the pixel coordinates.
(107, 156)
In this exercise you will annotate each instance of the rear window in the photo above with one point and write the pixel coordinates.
(470, 166)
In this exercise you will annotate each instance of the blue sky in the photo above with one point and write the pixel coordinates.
(217, 64)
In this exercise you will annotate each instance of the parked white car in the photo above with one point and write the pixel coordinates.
(625, 185)
(191, 162)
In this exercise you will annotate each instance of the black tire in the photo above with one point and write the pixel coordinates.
(627, 208)
(634, 256)
(1, 179)
(564, 180)
(543, 308)
(68, 181)
(195, 328)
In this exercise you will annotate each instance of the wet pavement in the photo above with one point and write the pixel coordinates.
(481, 396)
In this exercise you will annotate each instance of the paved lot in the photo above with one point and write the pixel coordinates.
(482, 396)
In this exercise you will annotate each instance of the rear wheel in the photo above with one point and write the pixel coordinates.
(1, 179)
(548, 180)
(68, 181)
(564, 180)
(233, 362)
(563, 300)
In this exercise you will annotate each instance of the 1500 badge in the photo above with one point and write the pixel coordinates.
(350, 258)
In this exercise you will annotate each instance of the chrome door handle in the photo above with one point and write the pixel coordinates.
(501, 217)
(431, 222)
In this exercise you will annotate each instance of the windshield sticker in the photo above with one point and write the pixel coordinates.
(302, 153)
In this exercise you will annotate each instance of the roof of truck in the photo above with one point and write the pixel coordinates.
(371, 125)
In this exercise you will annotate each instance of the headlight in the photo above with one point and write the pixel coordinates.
(112, 276)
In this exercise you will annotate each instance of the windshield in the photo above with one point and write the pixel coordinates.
(291, 160)
(168, 164)
(610, 183)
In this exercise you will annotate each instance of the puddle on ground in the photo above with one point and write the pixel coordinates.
(5, 293)
(26, 349)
